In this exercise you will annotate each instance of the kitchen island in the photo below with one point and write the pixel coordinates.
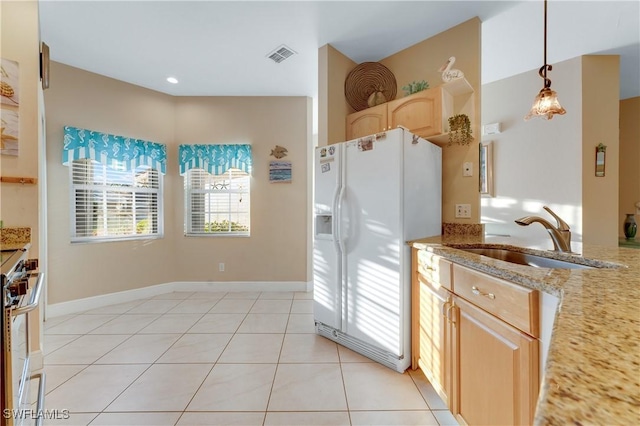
(592, 373)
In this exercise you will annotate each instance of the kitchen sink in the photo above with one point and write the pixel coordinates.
(521, 258)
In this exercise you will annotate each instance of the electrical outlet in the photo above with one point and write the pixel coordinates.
(463, 211)
(467, 169)
(221, 267)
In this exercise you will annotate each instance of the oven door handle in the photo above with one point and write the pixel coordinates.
(34, 300)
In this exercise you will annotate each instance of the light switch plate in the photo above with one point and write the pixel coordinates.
(491, 129)
(467, 169)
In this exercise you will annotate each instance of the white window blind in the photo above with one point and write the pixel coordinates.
(217, 204)
(111, 203)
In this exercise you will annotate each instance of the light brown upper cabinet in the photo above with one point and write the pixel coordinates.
(425, 113)
(367, 122)
(421, 112)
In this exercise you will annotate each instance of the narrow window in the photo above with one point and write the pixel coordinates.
(217, 189)
(217, 204)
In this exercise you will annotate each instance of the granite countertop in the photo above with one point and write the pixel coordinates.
(592, 374)
(14, 238)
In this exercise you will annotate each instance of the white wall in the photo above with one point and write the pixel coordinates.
(537, 162)
(512, 42)
(551, 162)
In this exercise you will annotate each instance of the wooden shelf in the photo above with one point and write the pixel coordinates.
(458, 87)
(21, 180)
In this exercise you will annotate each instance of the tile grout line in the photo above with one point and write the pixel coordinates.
(275, 373)
(215, 363)
(344, 386)
(235, 333)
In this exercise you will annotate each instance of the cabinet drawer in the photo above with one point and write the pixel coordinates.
(435, 268)
(516, 305)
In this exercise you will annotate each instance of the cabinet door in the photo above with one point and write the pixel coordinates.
(497, 370)
(421, 112)
(367, 122)
(435, 337)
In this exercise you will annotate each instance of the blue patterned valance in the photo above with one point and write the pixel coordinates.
(110, 149)
(215, 159)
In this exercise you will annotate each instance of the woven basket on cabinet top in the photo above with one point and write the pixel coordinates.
(365, 79)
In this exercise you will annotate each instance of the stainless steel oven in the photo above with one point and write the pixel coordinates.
(21, 289)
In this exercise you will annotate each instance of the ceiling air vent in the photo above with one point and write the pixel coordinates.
(280, 54)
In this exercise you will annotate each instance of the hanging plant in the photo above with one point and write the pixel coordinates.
(415, 87)
(460, 130)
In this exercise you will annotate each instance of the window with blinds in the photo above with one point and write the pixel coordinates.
(217, 204)
(112, 203)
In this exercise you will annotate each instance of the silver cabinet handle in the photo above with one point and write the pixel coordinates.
(475, 290)
(34, 300)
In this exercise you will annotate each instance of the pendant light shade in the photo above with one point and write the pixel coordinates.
(546, 103)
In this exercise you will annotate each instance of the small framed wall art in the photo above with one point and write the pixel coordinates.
(280, 171)
(44, 65)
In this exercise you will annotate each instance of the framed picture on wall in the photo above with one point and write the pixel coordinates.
(10, 132)
(280, 171)
(486, 169)
(44, 65)
(9, 82)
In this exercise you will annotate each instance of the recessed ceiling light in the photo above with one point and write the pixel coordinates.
(172, 80)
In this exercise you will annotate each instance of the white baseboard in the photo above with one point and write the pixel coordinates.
(80, 305)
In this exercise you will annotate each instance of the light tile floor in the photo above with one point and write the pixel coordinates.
(245, 358)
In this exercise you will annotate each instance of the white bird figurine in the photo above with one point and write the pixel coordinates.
(449, 73)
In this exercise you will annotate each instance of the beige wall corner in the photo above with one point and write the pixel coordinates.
(323, 95)
(600, 124)
(19, 204)
(422, 62)
(629, 160)
(418, 62)
(276, 251)
(277, 247)
(333, 69)
(91, 101)
(309, 210)
(20, 43)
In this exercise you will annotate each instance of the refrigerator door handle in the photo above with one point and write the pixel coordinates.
(335, 220)
(339, 221)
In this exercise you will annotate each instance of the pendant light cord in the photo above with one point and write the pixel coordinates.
(545, 32)
(545, 67)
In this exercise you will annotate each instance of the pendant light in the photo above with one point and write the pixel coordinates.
(546, 103)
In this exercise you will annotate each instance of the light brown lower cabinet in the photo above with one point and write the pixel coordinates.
(497, 369)
(436, 337)
(485, 369)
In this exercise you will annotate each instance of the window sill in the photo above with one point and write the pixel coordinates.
(217, 234)
(96, 240)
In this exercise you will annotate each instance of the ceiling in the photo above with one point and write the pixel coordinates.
(220, 48)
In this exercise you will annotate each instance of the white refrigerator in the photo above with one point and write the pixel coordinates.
(371, 196)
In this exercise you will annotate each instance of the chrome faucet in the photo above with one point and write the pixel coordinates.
(560, 235)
